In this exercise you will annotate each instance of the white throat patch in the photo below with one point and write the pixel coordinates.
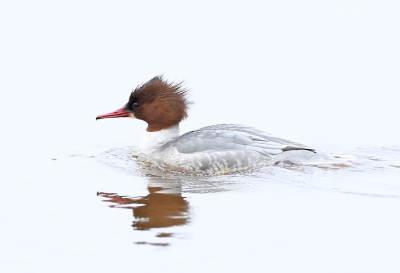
(150, 141)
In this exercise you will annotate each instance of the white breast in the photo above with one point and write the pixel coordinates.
(151, 141)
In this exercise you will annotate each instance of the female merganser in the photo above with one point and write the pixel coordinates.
(216, 149)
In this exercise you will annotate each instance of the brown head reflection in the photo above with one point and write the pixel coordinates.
(155, 210)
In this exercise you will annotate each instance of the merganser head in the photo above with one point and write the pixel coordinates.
(160, 103)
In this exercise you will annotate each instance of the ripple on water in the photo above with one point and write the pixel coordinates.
(368, 172)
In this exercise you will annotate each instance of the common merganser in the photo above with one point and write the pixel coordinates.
(216, 149)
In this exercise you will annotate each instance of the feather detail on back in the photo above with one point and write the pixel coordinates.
(225, 148)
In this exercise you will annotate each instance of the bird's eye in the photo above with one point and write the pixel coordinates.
(135, 104)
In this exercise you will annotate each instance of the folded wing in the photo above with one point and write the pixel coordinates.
(230, 147)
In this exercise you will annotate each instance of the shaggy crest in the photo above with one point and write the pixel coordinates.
(160, 103)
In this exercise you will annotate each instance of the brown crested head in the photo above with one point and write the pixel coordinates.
(160, 103)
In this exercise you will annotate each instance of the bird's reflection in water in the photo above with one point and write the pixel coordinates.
(163, 207)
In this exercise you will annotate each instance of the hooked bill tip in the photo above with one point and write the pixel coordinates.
(97, 117)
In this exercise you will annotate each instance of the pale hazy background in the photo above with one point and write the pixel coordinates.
(322, 73)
